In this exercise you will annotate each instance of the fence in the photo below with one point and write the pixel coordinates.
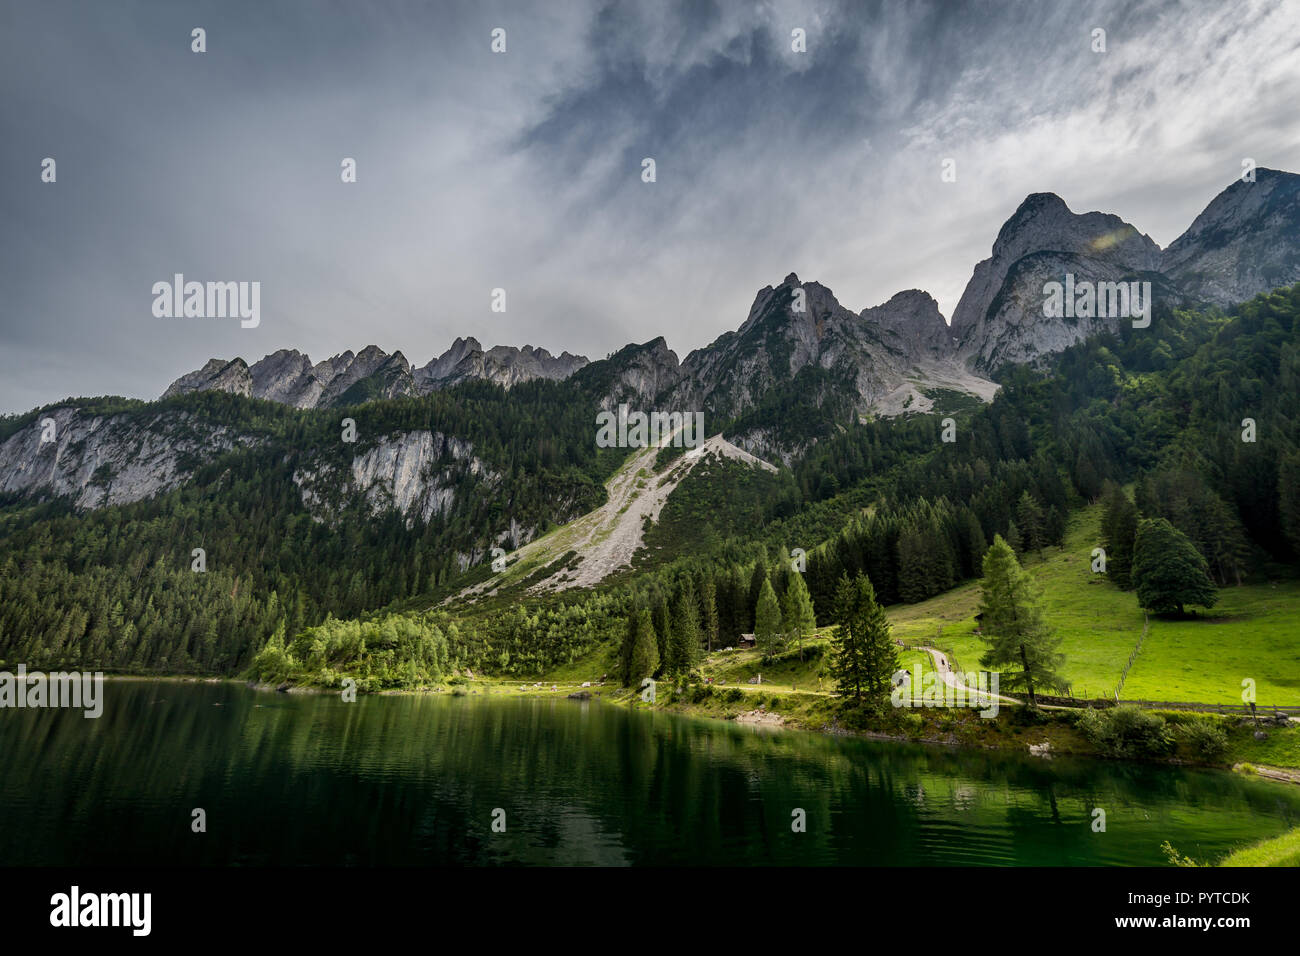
(1146, 625)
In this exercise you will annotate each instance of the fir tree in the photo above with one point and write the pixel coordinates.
(684, 647)
(709, 616)
(864, 659)
(643, 658)
(1118, 530)
(768, 634)
(797, 618)
(1012, 625)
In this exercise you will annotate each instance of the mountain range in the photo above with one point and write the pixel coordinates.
(799, 368)
(888, 359)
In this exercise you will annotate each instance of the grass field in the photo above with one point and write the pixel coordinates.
(1254, 632)
(1281, 851)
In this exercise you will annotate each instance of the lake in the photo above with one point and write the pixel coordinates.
(418, 780)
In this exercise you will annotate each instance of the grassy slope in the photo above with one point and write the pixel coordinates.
(1254, 632)
(1281, 851)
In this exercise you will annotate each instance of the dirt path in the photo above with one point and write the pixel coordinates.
(949, 676)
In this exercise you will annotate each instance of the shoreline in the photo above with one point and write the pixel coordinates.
(1060, 741)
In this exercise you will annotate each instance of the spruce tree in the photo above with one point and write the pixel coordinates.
(1012, 625)
(768, 634)
(662, 627)
(643, 658)
(797, 617)
(1031, 521)
(684, 647)
(709, 609)
(1168, 572)
(864, 659)
(1118, 530)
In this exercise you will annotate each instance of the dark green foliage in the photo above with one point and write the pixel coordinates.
(769, 634)
(1126, 732)
(864, 659)
(1168, 572)
(1020, 643)
(1205, 738)
(1118, 532)
(639, 654)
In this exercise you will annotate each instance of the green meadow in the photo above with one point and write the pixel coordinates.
(1252, 633)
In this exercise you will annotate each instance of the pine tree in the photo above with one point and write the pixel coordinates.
(756, 579)
(1168, 572)
(709, 616)
(1288, 490)
(797, 617)
(863, 660)
(1118, 530)
(1030, 520)
(684, 647)
(662, 627)
(768, 634)
(643, 659)
(1012, 625)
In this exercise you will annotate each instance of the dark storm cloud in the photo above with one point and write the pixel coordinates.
(523, 170)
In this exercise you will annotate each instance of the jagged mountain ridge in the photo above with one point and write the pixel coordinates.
(888, 356)
(288, 376)
(783, 368)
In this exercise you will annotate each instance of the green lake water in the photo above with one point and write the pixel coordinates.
(310, 779)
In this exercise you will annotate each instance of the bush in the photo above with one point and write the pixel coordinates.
(699, 693)
(913, 724)
(1126, 732)
(733, 695)
(1204, 738)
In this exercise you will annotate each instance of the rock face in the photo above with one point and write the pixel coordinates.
(799, 338)
(1000, 317)
(635, 374)
(414, 473)
(911, 325)
(99, 460)
(505, 366)
(288, 376)
(1246, 241)
(218, 375)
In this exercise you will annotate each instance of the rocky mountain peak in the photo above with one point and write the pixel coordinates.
(217, 375)
(911, 324)
(1246, 240)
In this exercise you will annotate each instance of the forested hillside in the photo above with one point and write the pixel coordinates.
(358, 589)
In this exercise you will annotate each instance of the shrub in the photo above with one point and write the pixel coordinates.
(1126, 732)
(1204, 738)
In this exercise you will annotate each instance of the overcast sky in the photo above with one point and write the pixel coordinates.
(522, 170)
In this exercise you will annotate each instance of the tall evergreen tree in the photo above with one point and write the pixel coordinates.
(768, 633)
(1118, 530)
(797, 617)
(1031, 522)
(709, 611)
(685, 645)
(662, 627)
(643, 658)
(1012, 625)
(864, 660)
